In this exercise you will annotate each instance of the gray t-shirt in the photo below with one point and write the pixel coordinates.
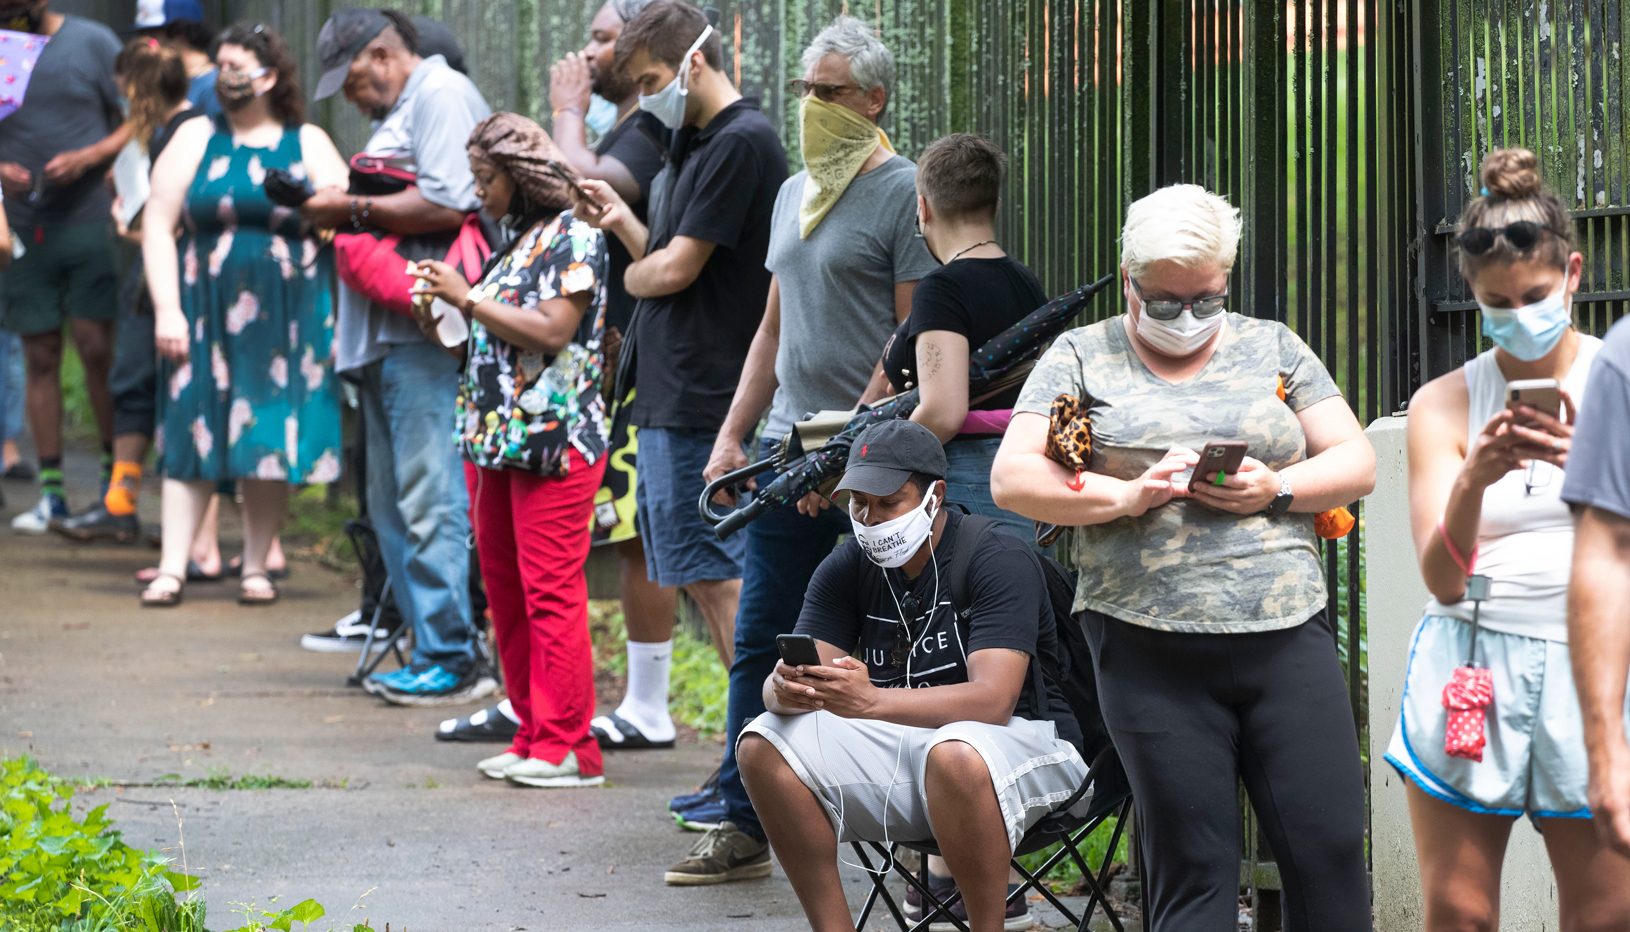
(837, 288)
(1186, 566)
(72, 102)
(1598, 471)
(430, 123)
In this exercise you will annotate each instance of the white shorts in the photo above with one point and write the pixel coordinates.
(869, 774)
(1534, 760)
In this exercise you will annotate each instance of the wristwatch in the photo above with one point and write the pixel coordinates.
(1281, 502)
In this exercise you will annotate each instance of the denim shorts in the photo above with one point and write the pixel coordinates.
(1534, 762)
(680, 548)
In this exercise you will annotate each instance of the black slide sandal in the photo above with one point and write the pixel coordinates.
(631, 738)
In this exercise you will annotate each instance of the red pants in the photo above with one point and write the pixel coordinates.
(533, 536)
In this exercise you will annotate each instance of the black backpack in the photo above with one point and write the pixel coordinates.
(1071, 668)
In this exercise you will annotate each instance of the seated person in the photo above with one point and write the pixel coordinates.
(911, 741)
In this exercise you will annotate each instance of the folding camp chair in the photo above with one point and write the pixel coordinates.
(378, 604)
(1113, 798)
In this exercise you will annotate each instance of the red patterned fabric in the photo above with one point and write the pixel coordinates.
(1468, 694)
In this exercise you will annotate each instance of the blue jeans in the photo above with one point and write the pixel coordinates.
(967, 483)
(783, 550)
(12, 385)
(417, 498)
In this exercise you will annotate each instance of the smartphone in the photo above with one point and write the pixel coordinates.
(1224, 456)
(798, 650)
(1540, 394)
(559, 171)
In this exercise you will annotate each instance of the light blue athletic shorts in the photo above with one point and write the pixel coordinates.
(1534, 760)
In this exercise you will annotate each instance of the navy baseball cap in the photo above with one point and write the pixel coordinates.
(345, 34)
(151, 14)
(885, 455)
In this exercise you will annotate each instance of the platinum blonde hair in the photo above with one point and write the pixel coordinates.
(1182, 223)
(871, 64)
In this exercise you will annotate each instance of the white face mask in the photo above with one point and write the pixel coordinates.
(894, 542)
(668, 104)
(1181, 336)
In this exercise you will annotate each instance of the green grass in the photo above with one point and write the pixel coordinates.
(219, 779)
(699, 682)
(316, 520)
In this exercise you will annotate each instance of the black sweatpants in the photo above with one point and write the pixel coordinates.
(1190, 713)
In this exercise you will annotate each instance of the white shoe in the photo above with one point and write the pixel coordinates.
(534, 772)
(37, 520)
(494, 766)
(348, 635)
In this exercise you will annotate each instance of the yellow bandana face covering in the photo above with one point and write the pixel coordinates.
(835, 142)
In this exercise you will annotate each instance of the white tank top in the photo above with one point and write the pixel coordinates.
(1525, 538)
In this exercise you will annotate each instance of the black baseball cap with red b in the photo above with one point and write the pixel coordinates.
(885, 455)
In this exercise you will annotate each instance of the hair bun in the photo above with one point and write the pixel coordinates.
(1511, 174)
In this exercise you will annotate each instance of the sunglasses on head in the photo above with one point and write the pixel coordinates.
(1522, 236)
(1169, 310)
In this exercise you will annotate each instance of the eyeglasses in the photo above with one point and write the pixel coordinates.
(1169, 310)
(250, 75)
(827, 92)
(1522, 235)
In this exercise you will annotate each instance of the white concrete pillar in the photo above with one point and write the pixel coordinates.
(1395, 593)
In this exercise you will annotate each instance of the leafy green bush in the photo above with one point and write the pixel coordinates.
(59, 874)
(1067, 876)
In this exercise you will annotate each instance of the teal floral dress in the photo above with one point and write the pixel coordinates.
(524, 410)
(257, 399)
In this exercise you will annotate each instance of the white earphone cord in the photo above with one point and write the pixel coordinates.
(899, 751)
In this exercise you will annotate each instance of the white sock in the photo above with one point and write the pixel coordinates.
(645, 704)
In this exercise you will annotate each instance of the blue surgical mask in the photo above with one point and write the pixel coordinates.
(668, 104)
(602, 115)
(1530, 331)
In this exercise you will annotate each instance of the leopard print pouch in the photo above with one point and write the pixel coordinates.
(1069, 434)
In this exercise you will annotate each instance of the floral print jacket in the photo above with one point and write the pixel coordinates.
(523, 410)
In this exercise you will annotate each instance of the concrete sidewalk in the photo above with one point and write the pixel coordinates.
(96, 686)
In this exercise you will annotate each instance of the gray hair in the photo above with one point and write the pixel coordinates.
(871, 64)
(626, 10)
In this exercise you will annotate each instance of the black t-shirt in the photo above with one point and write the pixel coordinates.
(849, 604)
(690, 345)
(977, 298)
(638, 153)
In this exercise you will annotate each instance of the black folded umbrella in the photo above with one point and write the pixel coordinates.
(999, 357)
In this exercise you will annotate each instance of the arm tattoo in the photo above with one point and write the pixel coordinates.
(932, 357)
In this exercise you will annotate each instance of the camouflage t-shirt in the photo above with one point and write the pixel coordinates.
(1186, 566)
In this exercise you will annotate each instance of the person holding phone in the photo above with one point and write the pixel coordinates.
(530, 421)
(1205, 608)
(1485, 497)
(915, 721)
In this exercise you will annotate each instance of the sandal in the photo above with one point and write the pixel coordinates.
(151, 598)
(257, 595)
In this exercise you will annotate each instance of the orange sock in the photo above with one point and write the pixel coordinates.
(123, 489)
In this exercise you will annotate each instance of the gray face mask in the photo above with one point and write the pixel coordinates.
(668, 104)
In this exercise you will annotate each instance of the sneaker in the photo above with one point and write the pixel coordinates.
(20, 471)
(494, 766)
(491, 724)
(1017, 916)
(709, 787)
(97, 522)
(37, 520)
(535, 772)
(705, 816)
(434, 685)
(720, 856)
(347, 636)
(941, 887)
(376, 683)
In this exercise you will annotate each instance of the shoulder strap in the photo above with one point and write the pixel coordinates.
(969, 531)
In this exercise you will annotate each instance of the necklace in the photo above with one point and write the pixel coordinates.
(969, 249)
